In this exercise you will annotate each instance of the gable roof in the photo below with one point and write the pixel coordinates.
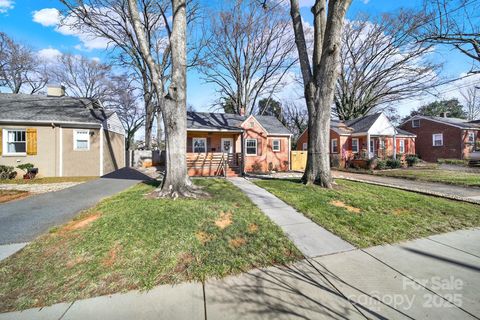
(38, 108)
(402, 132)
(363, 124)
(456, 122)
(231, 122)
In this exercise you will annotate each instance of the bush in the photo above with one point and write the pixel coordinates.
(394, 163)
(7, 172)
(412, 159)
(25, 167)
(381, 165)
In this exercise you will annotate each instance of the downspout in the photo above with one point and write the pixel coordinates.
(368, 146)
(395, 144)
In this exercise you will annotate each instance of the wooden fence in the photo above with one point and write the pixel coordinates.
(298, 160)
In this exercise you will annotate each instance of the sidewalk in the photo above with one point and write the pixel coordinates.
(410, 280)
(310, 238)
(432, 188)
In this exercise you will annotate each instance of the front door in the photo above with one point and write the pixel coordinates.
(227, 145)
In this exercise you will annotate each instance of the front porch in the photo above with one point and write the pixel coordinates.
(214, 153)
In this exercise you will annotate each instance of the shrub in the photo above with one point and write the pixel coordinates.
(412, 159)
(7, 172)
(394, 163)
(381, 165)
(25, 167)
(372, 163)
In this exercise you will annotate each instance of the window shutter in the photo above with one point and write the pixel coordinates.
(1, 141)
(31, 141)
(208, 146)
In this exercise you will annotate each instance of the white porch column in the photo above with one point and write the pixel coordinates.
(368, 146)
(395, 145)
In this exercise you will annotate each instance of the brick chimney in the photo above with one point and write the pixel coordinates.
(55, 90)
(445, 114)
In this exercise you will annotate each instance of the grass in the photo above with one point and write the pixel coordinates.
(47, 180)
(131, 242)
(367, 215)
(9, 195)
(435, 175)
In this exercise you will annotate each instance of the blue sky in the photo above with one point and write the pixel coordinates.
(16, 19)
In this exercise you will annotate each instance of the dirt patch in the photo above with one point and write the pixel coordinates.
(252, 228)
(73, 262)
(341, 204)
(400, 212)
(224, 221)
(203, 237)
(184, 260)
(237, 242)
(9, 195)
(81, 223)
(111, 257)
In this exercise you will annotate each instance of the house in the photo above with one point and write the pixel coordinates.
(231, 144)
(61, 136)
(442, 137)
(364, 138)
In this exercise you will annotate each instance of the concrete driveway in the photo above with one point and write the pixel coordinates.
(24, 220)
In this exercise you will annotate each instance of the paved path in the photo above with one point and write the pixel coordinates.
(410, 280)
(469, 194)
(310, 238)
(24, 220)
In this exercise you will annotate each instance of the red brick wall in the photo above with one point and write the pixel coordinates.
(452, 140)
(266, 158)
(214, 140)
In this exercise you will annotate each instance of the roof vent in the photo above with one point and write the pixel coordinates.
(55, 91)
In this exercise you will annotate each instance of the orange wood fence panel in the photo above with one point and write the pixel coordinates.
(299, 160)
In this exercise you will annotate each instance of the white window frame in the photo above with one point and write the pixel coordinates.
(276, 148)
(471, 134)
(357, 145)
(401, 146)
(382, 144)
(336, 145)
(246, 147)
(305, 146)
(76, 132)
(413, 123)
(5, 142)
(433, 139)
(199, 139)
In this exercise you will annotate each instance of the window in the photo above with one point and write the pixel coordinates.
(382, 144)
(199, 145)
(251, 146)
(471, 137)
(276, 145)
(372, 146)
(437, 139)
(334, 146)
(15, 142)
(305, 146)
(252, 124)
(401, 146)
(355, 145)
(416, 123)
(81, 140)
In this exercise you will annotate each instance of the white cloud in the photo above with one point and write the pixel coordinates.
(6, 5)
(365, 1)
(49, 54)
(47, 17)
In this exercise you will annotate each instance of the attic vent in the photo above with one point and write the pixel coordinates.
(55, 91)
(416, 123)
(252, 124)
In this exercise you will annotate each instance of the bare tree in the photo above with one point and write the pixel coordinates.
(381, 63)
(21, 70)
(319, 77)
(454, 23)
(83, 77)
(248, 53)
(125, 102)
(111, 21)
(471, 99)
(174, 109)
(295, 117)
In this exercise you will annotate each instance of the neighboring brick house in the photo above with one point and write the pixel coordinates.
(442, 137)
(61, 136)
(364, 138)
(222, 143)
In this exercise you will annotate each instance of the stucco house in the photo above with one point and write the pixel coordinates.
(60, 135)
(230, 144)
(366, 137)
(443, 137)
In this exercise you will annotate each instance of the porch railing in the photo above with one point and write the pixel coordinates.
(217, 163)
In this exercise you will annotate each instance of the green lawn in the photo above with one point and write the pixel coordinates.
(47, 180)
(435, 175)
(367, 215)
(131, 242)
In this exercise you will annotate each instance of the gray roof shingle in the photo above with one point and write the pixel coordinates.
(231, 122)
(455, 121)
(37, 108)
(404, 133)
(364, 123)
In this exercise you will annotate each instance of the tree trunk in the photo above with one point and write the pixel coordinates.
(149, 113)
(159, 127)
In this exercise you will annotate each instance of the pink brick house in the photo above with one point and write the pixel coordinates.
(230, 144)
